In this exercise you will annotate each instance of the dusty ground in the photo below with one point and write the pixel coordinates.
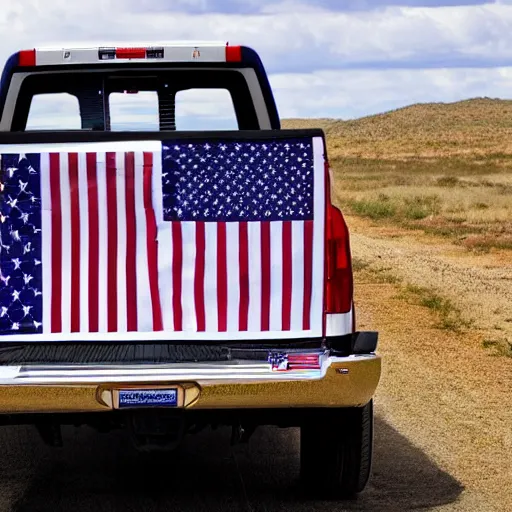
(443, 425)
(479, 285)
(440, 388)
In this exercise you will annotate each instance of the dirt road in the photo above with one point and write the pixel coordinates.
(443, 426)
(440, 389)
(479, 284)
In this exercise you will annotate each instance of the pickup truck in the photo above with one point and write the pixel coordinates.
(161, 279)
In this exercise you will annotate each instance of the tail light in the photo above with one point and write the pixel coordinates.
(339, 280)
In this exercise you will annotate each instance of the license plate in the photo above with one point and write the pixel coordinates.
(148, 398)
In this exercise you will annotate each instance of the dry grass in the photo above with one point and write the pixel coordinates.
(477, 126)
(500, 347)
(447, 315)
(442, 168)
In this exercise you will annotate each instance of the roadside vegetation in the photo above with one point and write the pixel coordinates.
(440, 169)
(445, 169)
(447, 315)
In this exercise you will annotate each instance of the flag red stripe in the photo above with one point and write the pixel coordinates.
(222, 278)
(199, 276)
(287, 275)
(177, 267)
(75, 241)
(131, 243)
(93, 224)
(152, 248)
(265, 276)
(112, 243)
(243, 263)
(308, 273)
(56, 247)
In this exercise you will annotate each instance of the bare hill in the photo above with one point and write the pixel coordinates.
(480, 126)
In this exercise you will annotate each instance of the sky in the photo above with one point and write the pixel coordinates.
(325, 58)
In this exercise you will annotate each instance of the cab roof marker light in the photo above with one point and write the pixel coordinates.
(131, 53)
(233, 53)
(27, 58)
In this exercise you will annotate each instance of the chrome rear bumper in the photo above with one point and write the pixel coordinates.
(338, 382)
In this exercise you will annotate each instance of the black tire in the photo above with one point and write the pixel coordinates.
(336, 448)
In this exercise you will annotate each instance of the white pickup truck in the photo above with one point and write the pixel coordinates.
(163, 279)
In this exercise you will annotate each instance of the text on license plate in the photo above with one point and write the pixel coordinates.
(148, 397)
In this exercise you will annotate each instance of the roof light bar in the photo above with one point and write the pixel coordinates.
(201, 52)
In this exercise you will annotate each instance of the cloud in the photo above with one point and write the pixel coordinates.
(295, 37)
(258, 6)
(362, 53)
(356, 93)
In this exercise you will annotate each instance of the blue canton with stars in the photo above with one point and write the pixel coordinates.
(20, 245)
(238, 181)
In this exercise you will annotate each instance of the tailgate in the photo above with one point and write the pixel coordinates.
(189, 238)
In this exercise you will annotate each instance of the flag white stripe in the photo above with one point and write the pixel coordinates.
(65, 203)
(233, 268)
(144, 304)
(276, 276)
(121, 242)
(101, 179)
(254, 248)
(188, 230)
(165, 246)
(317, 292)
(165, 282)
(46, 249)
(210, 277)
(297, 275)
(84, 242)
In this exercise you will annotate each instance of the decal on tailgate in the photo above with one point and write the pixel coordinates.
(204, 237)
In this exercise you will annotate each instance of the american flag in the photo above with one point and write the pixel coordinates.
(178, 238)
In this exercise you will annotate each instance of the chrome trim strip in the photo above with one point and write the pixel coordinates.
(233, 371)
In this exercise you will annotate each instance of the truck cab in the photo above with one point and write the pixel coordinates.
(95, 77)
(163, 276)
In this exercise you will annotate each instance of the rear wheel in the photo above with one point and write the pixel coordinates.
(336, 451)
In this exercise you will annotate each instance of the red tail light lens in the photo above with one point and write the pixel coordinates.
(27, 58)
(340, 285)
(131, 53)
(233, 54)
